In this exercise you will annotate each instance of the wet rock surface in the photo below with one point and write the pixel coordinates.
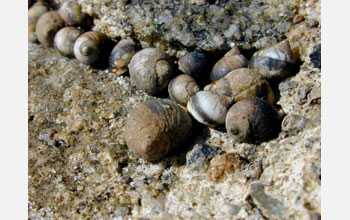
(79, 166)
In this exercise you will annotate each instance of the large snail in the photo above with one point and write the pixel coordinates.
(33, 16)
(192, 64)
(155, 127)
(65, 39)
(182, 88)
(151, 69)
(47, 26)
(121, 55)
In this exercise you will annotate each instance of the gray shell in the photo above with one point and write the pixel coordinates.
(33, 16)
(193, 64)
(151, 69)
(47, 26)
(273, 62)
(232, 60)
(121, 55)
(88, 47)
(182, 88)
(65, 39)
(156, 127)
(71, 13)
(208, 108)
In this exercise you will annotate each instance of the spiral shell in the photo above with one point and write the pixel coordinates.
(121, 55)
(64, 40)
(47, 26)
(71, 13)
(151, 69)
(33, 16)
(275, 61)
(241, 84)
(232, 60)
(253, 120)
(192, 64)
(89, 46)
(156, 127)
(182, 88)
(208, 108)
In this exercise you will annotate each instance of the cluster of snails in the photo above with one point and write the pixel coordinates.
(238, 96)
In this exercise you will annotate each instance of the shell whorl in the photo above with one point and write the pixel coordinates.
(87, 48)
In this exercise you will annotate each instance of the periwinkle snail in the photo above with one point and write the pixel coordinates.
(47, 26)
(64, 40)
(33, 15)
(273, 62)
(232, 60)
(156, 127)
(193, 64)
(253, 120)
(182, 88)
(71, 13)
(121, 55)
(151, 69)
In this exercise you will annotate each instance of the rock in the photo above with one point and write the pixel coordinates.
(200, 156)
(315, 56)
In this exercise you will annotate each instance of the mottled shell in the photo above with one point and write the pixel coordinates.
(182, 88)
(253, 120)
(88, 47)
(47, 26)
(121, 55)
(71, 13)
(65, 39)
(151, 69)
(232, 60)
(241, 84)
(208, 108)
(273, 62)
(33, 16)
(192, 64)
(156, 127)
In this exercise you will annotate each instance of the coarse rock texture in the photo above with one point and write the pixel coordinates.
(78, 160)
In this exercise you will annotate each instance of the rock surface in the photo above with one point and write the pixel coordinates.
(79, 164)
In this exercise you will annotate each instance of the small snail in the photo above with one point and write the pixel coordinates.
(192, 64)
(71, 13)
(64, 40)
(273, 62)
(253, 120)
(47, 26)
(208, 108)
(241, 84)
(232, 60)
(181, 88)
(155, 127)
(33, 15)
(121, 55)
(151, 69)
(88, 48)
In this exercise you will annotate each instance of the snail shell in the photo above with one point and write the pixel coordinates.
(155, 127)
(64, 40)
(88, 47)
(192, 64)
(71, 13)
(253, 120)
(33, 15)
(47, 26)
(273, 62)
(181, 88)
(121, 55)
(208, 108)
(151, 69)
(241, 84)
(232, 60)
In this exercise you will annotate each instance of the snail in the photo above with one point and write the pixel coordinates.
(253, 120)
(156, 127)
(181, 88)
(33, 16)
(273, 62)
(232, 60)
(151, 69)
(192, 64)
(64, 40)
(208, 108)
(88, 48)
(47, 26)
(121, 55)
(71, 13)
(241, 84)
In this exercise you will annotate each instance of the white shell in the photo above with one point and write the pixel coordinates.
(65, 39)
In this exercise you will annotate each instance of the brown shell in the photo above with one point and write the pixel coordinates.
(47, 26)
(182, 88)
(193, 64)
(121, 56)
